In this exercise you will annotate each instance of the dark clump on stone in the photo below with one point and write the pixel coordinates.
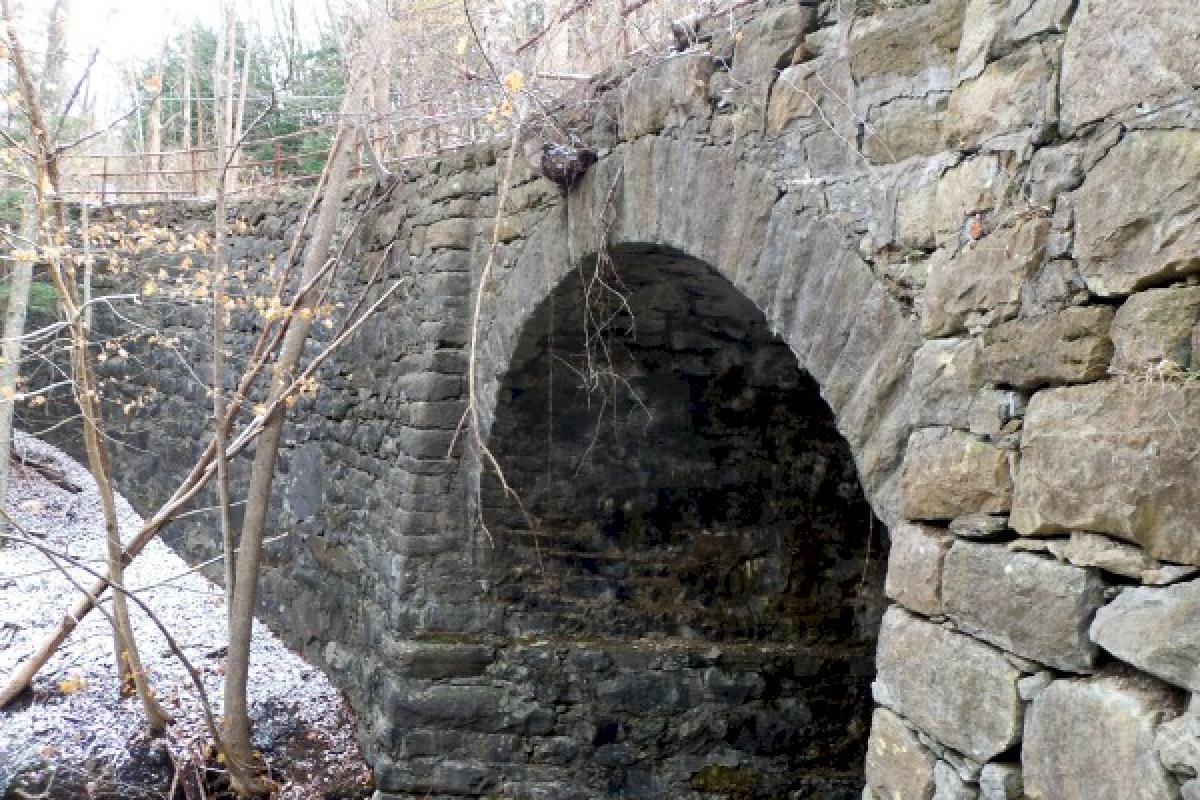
(565, 164)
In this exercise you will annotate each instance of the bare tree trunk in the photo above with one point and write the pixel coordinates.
(186, 139)
(49, 224)
(221, 90)
(223, 71)
(236, 731)
(22, 274)
(14, 328)
(240, 118)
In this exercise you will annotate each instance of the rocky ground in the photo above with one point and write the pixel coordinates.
(73, 736)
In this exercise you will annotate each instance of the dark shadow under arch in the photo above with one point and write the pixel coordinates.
(693, 531)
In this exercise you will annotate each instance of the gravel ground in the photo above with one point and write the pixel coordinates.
(75, 723)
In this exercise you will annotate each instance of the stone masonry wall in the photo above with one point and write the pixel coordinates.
(974, 226)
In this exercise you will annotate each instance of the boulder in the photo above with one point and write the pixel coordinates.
(1024, 603)
(948, 473)
(898, 766)
(1115, 458)
(1093, 739)
(1070, 346)
(1156, 630)
(1137, 220)
(956, 689)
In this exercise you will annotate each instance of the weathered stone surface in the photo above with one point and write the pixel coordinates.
(1153, 330)
(791, 98)
(1137, 222)
(667, 94)
(946, 376)
(1115, 458)
(1093, 739)
(948, 473)
(979, 526)
(1145, 53)
(1178, 743)
(982, 285)
(1013, 94)
(937, 200)
(1000, 782)
(763, 47)
(914, 576)
(1054, 286)
(452, 234)
(958, 690)
(1070, 346)
(993, 409)
(1156, 630)
(905, 127)
(1097, 550)
(898, 766)
(906, 51)
(949, 785)
(1029, 605)
(994, 27)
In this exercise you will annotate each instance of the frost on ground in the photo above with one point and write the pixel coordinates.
(74, 729)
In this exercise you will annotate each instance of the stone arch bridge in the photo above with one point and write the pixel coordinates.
(850, 397)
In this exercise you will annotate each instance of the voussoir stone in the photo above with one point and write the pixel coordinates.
(914, 574)
(948, 473)
(1069, 346)
(1137, 219)
(1035, 607)
(1093, 739)
(1156, 630)
(1116, 458)
(1120, 54)
(956, 689)
(898, 766)
(1154, 327)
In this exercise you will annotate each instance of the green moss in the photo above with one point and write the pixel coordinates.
(43, 298)
(736, 782)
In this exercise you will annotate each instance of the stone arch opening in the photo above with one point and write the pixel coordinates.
(695, 552)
